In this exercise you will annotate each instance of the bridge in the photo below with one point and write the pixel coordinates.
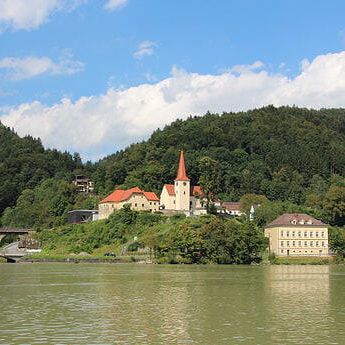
(15, 231)
(14, 251)
(11, 252)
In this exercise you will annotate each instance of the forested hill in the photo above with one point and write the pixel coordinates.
(278, 152)
(287, 154)
(24, 163)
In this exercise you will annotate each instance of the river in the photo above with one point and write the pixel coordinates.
(168, 304)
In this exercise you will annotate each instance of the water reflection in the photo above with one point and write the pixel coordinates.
(299, 299)
(207, 305)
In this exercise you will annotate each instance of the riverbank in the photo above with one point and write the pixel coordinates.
(53, 258)
(46, 258)
(305, 260)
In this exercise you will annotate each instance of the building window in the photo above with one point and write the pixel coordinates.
(150, 203)
(282, 243)
(305, 244)
(287, 233)
(288, 243)
(293, 234)
(142, 205)
(299, 234)
(311, 234)
(322, 234)
(293, 243)
(323, 243)
(282, 251)
(305, 234)
(317, 234)
(299, 243)
(184, 193)
(311, 243)
(135, 204)
(317, 243)
(282, 233)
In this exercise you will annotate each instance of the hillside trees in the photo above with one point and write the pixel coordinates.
(288, 154)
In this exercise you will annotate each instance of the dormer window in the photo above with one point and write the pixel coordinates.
(301, 221)
(294, 222)
(310, 222)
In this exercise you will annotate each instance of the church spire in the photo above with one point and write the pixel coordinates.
(181, 174)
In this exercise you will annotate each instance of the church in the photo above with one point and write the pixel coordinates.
(181, 197)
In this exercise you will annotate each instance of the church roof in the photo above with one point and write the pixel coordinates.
(121, 195)
(181, 173)
(194, 190)
(295, 219)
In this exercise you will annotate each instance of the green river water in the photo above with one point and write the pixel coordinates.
(168, 304)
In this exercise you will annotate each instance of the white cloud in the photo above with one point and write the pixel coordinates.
(30, 14)
(113, 5)
(28, 67)
(150, 77)
(304, 64)
(144, 49)
(111, 121)
(241, 69)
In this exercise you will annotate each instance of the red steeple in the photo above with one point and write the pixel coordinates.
(181, 174)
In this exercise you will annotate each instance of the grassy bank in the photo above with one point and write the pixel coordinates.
(303, 260)
(46, 257)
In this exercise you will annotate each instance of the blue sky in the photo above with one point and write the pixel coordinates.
(94, 76)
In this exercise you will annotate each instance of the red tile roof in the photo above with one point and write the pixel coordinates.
(295, 219)
(181, 173)
(194, 190)
(121, 195)
(170, 188)
(151, 196)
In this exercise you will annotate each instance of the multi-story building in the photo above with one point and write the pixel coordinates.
(135, 197)
(297, 235)
(83, 183)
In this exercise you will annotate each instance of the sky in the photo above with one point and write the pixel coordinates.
(94, 76)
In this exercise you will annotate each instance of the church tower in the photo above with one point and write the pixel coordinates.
(182, 187)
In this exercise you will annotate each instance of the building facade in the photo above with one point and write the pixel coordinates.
(181, 197)
(138, 200)
(83, 183)
(297, 235)
(232, 208)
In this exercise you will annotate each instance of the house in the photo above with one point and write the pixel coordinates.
(138, 200)
(181, 197)
(83, 183)
(232, 208)
(297, 235)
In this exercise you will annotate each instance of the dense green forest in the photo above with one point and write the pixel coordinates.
(25, 165)
(291, 155)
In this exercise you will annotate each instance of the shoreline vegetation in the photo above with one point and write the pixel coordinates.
(129, 236)
(146, 260)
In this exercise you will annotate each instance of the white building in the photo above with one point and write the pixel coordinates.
(181, 197)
